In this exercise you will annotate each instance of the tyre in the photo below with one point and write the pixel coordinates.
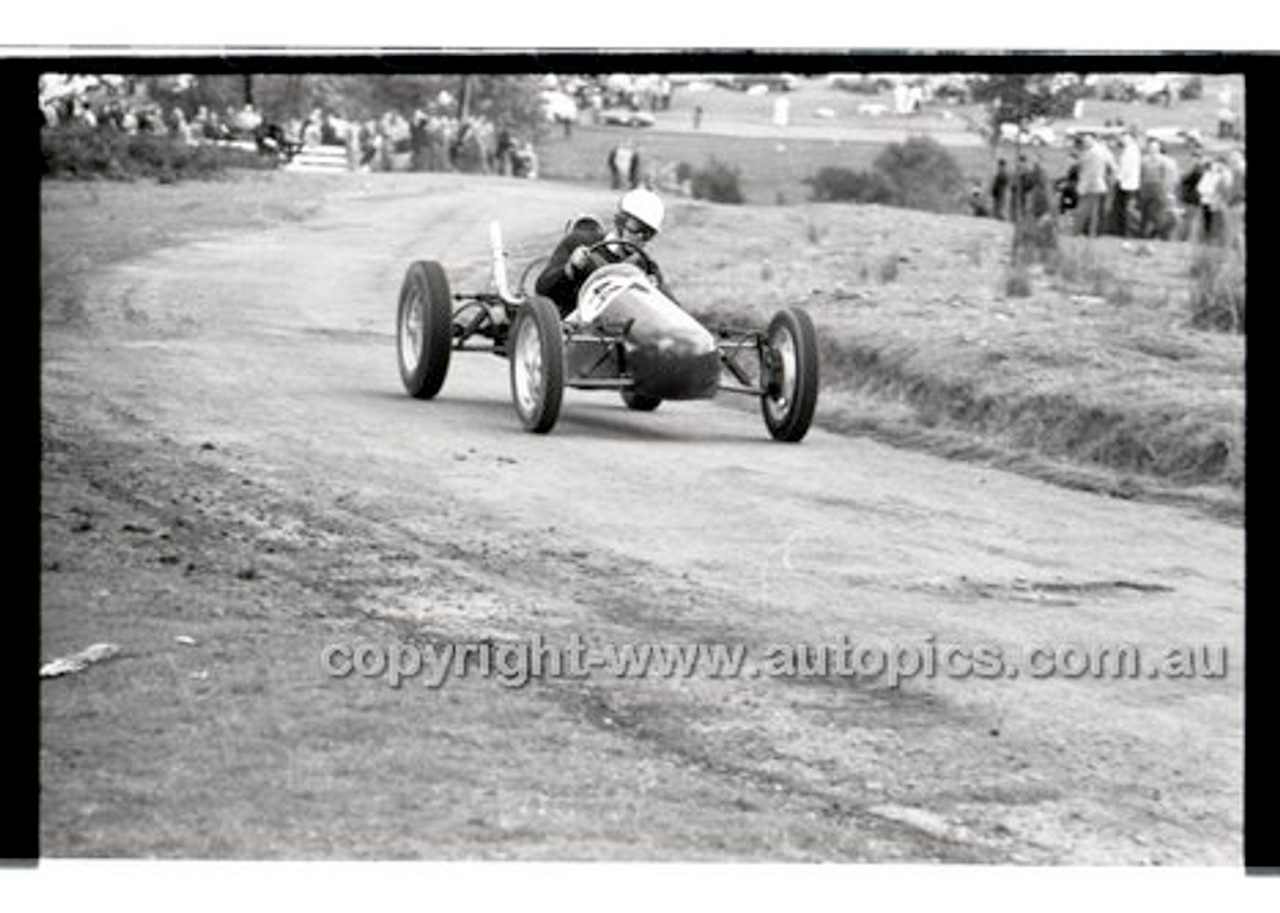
(792, 391)
(640, 402)
(424, 329)
(536, 355)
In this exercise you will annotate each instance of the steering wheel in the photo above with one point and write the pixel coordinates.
(597, 255)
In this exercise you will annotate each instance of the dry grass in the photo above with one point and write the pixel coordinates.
(1095, 374)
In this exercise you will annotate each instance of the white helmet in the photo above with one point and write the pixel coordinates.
(644, 205)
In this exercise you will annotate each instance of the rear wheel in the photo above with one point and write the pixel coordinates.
(424, 329)
(640, 402)
(536, 352)
(791, 375)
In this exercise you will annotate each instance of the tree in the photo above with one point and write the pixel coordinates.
(1019, 98)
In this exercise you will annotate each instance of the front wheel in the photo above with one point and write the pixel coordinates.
(424, 329)
(791, 375)
(536, 352)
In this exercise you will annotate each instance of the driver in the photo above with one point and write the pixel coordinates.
(639, 218)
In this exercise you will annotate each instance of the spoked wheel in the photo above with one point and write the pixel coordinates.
(424, 329)
(791, 375)
(536, 352)
(640, 402)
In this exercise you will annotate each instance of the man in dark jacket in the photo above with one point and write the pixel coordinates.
(638, 219)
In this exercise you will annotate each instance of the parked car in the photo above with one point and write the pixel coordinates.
(624, 117)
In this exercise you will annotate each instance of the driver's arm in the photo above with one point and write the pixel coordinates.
(555, 282)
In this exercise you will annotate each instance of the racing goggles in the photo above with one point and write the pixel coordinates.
(633, 226)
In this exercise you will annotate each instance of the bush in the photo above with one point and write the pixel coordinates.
(717, 182)
(840, 185)
(917, 174)
(1192, 89)
(924, 175)
(89, 153)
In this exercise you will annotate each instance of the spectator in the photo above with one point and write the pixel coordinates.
(1151, 189)
(1031, 196)
(978, 201)
(1214, 190)
(621, 161)
(179, 128)
(999, 189)
(504, 152)
(1128, 180)
(524, 160)
(635, 174)
(368, 140)
(1096, 167)
(1067, 186)
(1193, 220)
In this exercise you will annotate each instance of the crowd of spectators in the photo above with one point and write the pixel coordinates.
(1122, 188)
(423, 142)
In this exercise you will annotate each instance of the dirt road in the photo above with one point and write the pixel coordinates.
(258, 370)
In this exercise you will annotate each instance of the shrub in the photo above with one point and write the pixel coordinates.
(1192, 89)
(917, 174)
(717, 182)
(833, 184)
(88, 153)
(923, 174)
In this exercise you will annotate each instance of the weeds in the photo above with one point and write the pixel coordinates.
(1036, 240)
(1017, 282)
(1218, 295)
(1075, 264)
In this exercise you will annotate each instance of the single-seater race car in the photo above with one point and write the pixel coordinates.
(625, 335)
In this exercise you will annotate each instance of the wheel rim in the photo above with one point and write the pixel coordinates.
(411, 332)
(528, 368)
(784, 346)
